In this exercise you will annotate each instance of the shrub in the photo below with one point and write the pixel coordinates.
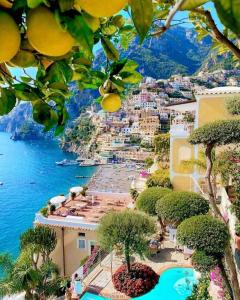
(159, 178)
(235, 208)
(204, 233)
(203, 262)
(138, 282)
(237, 229)
(200, 291)
(178, 206)
(147, 200)
(44, 211)
(233, 106)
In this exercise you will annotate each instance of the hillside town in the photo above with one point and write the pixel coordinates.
(149, 109)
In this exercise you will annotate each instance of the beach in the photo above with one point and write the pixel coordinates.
(114, 178)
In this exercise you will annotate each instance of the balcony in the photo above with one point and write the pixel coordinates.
(181, 129)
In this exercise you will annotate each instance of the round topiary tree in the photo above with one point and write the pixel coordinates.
(203, 262)
(147, 200)
(204, 233)
(130, 230)
(178, 206)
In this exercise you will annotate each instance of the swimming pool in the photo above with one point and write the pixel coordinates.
(174, 284)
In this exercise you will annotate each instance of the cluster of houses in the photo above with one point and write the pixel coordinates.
(149, 109)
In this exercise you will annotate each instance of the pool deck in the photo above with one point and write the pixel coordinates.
(100, 280)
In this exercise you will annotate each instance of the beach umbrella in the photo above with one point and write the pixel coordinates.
(57, 200)
(76, 189)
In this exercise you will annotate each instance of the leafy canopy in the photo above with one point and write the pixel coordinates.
(128, 229)
(178, 206)
(217, 133)
(204, 233)
(147, 200)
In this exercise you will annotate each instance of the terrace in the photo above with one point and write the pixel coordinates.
(85, 212)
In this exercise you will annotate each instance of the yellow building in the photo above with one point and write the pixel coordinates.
(75, 224)
(210, 106)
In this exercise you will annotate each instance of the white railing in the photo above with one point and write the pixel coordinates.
(69, 221)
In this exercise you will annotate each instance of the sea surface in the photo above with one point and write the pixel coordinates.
(30, 178)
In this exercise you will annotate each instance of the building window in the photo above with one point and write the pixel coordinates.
(81, 244)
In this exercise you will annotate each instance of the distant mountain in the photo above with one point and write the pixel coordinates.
(176, 52)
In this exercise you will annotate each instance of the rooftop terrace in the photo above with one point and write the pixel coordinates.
(86, 212)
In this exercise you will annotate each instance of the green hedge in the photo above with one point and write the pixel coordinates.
(147, 200)
(203, 262)
(204, 233)
(178, 206)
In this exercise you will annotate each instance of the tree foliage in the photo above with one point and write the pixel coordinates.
(147, 200)
(203, 262)
(28, 274)
(128, 229)
(178, 206)
(162, 145)
(233, 106)
(204, 233)
(217, 133)
(159, 178)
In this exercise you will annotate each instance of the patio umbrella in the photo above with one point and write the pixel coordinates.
(76, 189)
(57, 200)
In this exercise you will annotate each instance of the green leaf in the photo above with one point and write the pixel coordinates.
(109, 49)
(130, 66)
(59, 71)
(44, 114)
(79, 29)
(229, 14)
(34, 3)
(7, 101)
(131, 78)
(191, 4)
(26, 79)
(142, 15)
(25, 92)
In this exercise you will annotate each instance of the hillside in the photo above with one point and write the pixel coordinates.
(177, 52)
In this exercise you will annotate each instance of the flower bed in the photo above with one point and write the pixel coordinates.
(138, 282)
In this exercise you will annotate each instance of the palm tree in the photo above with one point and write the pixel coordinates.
(39, 280)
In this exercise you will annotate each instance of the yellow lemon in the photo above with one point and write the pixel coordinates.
(102, 8)
(111, 103)
(46, 35)
(24, 59)
(10, 38)
(6, 3)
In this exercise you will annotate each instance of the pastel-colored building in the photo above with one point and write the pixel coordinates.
(210, 106)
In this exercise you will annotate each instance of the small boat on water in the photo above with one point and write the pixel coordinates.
(67, 162)
(1, 183)
(82, 176)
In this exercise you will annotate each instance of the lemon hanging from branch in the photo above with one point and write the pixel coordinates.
(111, 103)
(101, 8)
(46, 35)
(9, 37)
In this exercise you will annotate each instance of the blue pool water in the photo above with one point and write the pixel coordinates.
(174, 284)
(21, 164)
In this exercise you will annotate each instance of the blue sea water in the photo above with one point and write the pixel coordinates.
(30, 177)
